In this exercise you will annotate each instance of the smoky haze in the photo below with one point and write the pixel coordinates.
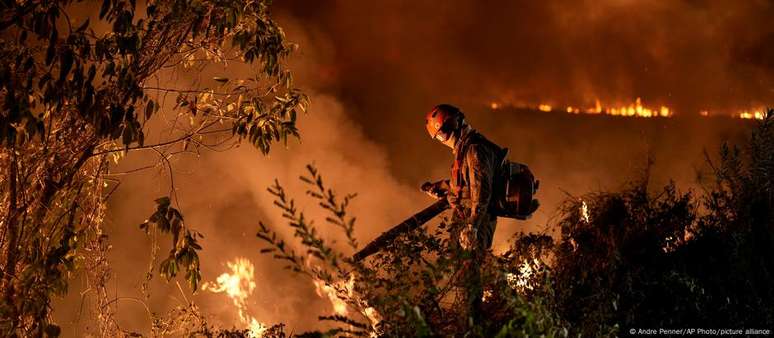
(394, 59)
(373, 69)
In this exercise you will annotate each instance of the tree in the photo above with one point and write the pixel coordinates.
(76, 96)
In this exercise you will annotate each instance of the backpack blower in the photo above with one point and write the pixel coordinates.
(513, 197)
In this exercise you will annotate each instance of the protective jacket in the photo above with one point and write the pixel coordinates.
(472, 182)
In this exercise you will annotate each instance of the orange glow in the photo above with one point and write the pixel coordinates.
(544, 107)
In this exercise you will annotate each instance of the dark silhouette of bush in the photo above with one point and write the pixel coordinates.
(670, 259)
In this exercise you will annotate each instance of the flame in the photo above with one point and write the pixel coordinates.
(636, 109)
(372, 315)
(486, 295)
(584, 211)
(669, 246)
(239, 286)
(597, 107)
(325, 290)
(332, 293)
(521, 281)
(758, 114)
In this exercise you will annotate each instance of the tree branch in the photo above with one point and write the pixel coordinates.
(157, 145)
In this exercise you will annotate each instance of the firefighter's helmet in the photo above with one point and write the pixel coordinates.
(442, 121)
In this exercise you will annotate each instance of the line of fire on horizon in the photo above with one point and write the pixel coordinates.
(636, 109)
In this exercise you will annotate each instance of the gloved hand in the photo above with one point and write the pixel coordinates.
(437, 189)
(468, 237)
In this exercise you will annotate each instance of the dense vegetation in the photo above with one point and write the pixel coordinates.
(635, 258)
(80, 85)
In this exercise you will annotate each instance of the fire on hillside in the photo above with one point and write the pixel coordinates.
(635, 109)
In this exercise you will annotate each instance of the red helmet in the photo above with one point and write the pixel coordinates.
(442, 121)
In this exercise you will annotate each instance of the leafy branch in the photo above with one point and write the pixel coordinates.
(321, 262)
(327, 200)
(183, 255)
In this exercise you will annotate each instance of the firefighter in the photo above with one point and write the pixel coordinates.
(471, 185)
